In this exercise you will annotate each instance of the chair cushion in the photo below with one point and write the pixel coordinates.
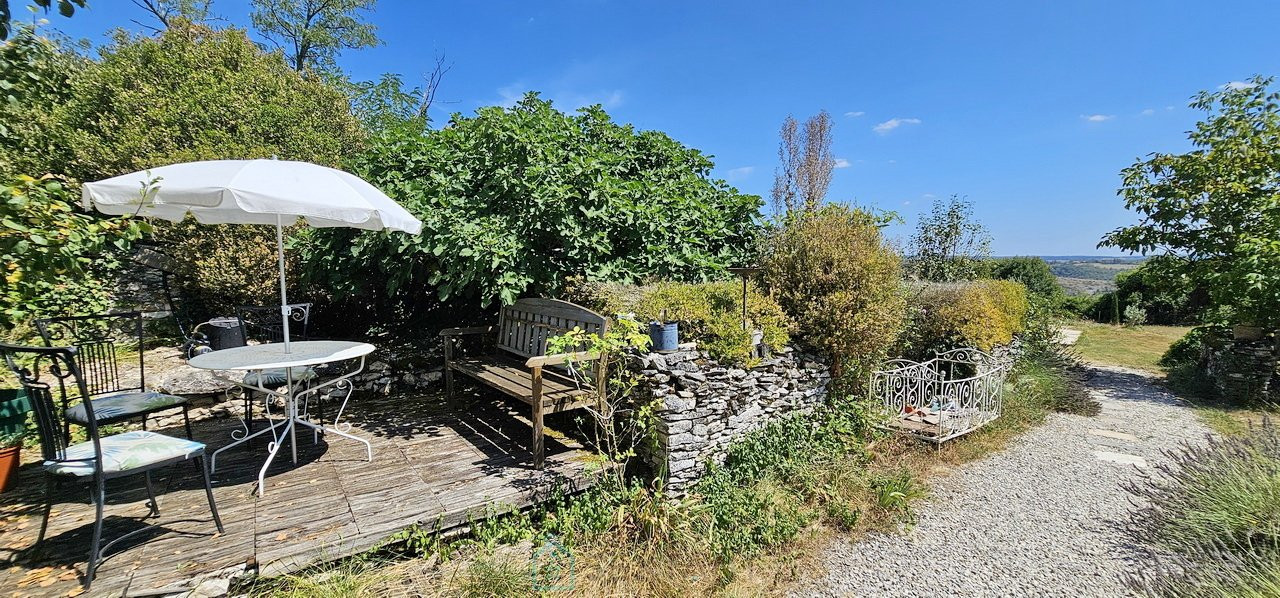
(124, 406)
(123, 452)
(276, 377)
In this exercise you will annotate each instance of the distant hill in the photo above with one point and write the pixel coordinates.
(1089, 275)
(1101, 259)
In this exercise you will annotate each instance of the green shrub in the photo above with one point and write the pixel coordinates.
(833, 273)
(1134, 316)
(1163, 296)
(982, 313)
(1189, 350)
(1184, 362)
(53, 259)
(35, 76)
(711, 313)
(1033, 272)
(1079, 306)
(1041, 331)
(219, 267)
(192, 93)
(779, 479)
(515, 201)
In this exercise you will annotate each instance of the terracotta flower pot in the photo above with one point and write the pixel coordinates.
(9, 460)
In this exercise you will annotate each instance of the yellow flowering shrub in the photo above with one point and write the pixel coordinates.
(981, 313)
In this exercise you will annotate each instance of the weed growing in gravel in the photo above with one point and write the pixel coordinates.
(1213, 514)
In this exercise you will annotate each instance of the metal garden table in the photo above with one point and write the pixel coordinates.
(272, 356)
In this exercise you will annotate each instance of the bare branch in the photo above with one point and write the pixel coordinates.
(158, 9)
(432, 84)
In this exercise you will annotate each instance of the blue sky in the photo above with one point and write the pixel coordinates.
(1030, 109)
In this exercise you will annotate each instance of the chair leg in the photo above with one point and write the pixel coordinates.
(151, 494)
(208, 491)
(186, 421)
(99, 499)
(49, 485)
(248, 413)
(319, 403)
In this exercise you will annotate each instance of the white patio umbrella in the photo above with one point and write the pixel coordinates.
(273, 192)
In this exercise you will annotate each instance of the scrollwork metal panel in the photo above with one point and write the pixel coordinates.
(952, 394)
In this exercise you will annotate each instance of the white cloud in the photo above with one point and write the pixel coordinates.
(1147, 112)
(842, 163)
(1097, 118)
(571, 100)
(854, 114)
(1236, 85)
(510, 94)
(562, 99)
(929, 196)
(735, 174)
(893, 123)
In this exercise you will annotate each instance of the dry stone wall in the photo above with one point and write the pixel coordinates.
(1245, 370)
(706, 405)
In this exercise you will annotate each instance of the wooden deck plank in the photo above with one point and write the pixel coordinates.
(430, 467)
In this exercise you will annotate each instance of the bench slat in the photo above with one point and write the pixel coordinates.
(523, 330)
(509, 376)
(525, 326)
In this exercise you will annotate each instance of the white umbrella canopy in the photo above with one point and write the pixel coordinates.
(274, 192)
(251, 192)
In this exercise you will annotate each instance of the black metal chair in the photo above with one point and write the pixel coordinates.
(265, 324)
(100, 340)
(99, 458)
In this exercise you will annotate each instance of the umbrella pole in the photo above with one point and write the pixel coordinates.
(284, 298)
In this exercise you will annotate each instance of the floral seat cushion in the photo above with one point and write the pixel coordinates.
(276, 377)
(123, 452)
(125, 405)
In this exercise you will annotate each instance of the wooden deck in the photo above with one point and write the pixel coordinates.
(431, 466)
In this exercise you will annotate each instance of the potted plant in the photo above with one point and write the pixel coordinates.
(10, 458)
(13, 410)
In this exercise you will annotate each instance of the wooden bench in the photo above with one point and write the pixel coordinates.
(519, 365)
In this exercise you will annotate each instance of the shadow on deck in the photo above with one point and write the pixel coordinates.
(431, 466)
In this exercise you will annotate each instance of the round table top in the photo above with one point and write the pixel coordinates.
(272, 356)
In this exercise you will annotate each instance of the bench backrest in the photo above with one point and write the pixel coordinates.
(525, 326)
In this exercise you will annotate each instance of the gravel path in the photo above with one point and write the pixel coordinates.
(1041, 518)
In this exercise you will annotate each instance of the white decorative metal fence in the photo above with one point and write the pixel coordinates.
(952, 394)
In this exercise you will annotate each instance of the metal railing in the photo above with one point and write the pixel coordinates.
(952, 394)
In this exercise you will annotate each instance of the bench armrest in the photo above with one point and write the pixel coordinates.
(561, 358)
(462, 331)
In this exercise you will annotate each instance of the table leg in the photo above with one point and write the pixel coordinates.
(293, 413)
(275, 448)
(271, 427)
(368, 447)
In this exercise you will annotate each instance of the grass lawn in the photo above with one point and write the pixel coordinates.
(1139, 348)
